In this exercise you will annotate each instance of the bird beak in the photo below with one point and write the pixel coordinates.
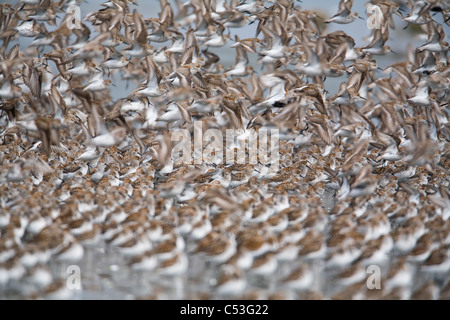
(361, 18)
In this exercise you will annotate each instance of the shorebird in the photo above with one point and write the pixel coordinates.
(361, 175)
(274, 46)
(420, 13)
(8, 90)
(379, 38)
(105, 137)
(421, 96)
(250, 6)
(151, 87)
(83, 69)
(277, 92)
(28, 28)
(97, 83)
(231, 282)
(217, 39)
(241, 67)
(436, 39)
(299, 279)
(314, 66)
(426, 64)
(115, 62)
(344, 14)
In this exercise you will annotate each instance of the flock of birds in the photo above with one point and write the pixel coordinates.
(89, 181)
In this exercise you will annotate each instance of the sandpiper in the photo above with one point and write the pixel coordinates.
(344, 14)
(361, 176)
